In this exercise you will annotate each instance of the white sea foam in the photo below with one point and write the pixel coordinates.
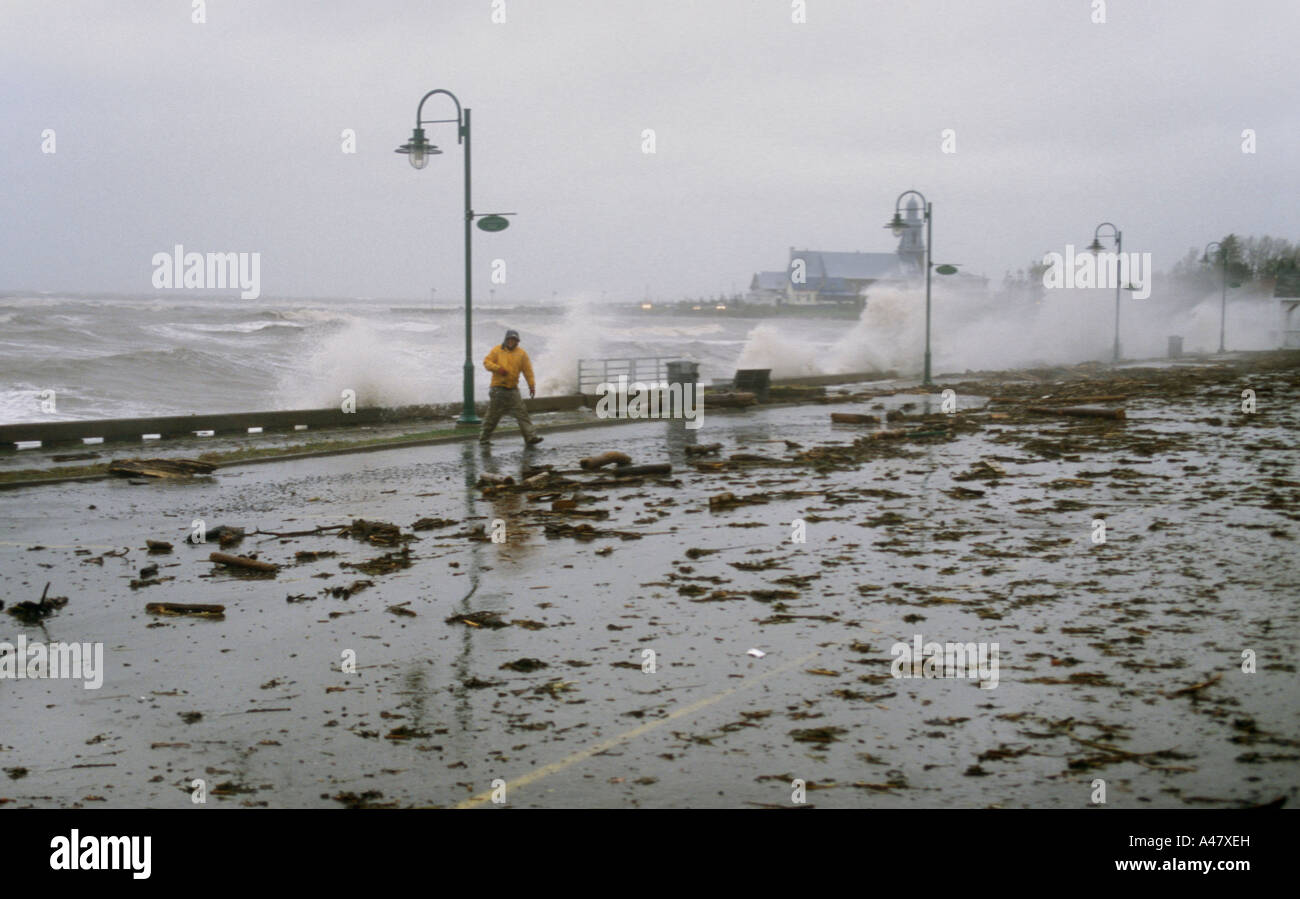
(236, 327)
(145, 356)
(578, 336)
(358, 357)
(771, 346)
(972, 330)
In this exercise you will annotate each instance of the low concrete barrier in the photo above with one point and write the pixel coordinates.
(226, 424)
(824, 380)
(231, 423)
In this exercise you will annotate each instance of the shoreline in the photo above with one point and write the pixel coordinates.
(331, 442)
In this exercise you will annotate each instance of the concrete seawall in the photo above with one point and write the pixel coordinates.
(228, 423)
(54, 433)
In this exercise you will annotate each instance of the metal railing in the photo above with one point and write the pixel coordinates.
(594, 372)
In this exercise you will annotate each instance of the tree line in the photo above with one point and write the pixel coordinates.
(1251, 262)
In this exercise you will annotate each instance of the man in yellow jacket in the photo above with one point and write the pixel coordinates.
(507, 362)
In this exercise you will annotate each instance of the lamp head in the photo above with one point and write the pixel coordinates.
(418, 149)
(1095, 246)
(896, 224)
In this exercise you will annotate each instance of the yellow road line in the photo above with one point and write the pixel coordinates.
(582, 754)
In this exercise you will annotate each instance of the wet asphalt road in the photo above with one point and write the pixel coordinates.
(1092, 637)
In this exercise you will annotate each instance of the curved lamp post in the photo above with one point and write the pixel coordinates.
(418, 150)
(1223, 302)
(1096, 247)
(898, 225)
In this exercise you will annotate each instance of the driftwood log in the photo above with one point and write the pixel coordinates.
(184, 608)
(701, 450)
(613, 457)
(625, 471)
(853, 418)
(1195, 688)
(1077, 412)
(541, 479)
(729, 500)
(243, 562)
(160, 468)
(491, 479)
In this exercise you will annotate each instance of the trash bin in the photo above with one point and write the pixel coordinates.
(1175, 347)
(682, 370)
(687, 374)
(757, 381)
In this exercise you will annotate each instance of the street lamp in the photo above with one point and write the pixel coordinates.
(898, 226)
(1096, 247)
(1223, 302)
(417, 151)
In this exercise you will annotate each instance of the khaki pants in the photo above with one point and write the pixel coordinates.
(503, 400)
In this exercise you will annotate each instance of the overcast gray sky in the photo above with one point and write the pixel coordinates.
(225, 136)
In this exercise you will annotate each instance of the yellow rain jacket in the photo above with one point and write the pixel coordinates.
(506, 365)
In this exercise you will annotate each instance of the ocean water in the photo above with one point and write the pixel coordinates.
(114, 357)
(121, 356)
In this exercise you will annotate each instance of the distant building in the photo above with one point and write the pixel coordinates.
(824, 278)
(768, 288)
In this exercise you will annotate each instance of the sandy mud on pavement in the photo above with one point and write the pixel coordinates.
(597, 652)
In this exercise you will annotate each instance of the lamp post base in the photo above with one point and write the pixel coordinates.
(467, 414)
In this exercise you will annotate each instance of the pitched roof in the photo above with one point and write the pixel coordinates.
(835, 273)
(820, 265)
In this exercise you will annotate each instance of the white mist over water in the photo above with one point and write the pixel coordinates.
(974, 330)
(1252, 323)
(392, 363)
(772, 346)
(136, 356)
(593, 330)
(366, 358)
(577, 336)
